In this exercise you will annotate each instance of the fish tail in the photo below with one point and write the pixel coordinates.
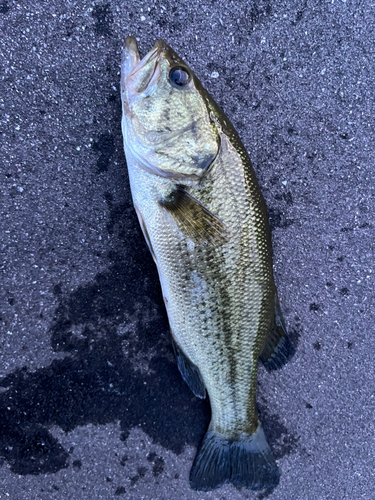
(246, 462)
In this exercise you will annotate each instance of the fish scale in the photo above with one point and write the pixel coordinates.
(206, 224)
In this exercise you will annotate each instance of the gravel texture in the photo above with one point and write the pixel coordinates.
(91, 402)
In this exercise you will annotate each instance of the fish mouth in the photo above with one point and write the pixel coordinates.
(138, 75)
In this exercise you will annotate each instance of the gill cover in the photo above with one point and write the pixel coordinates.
(166, 123)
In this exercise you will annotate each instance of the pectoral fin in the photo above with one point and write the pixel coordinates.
(190, 373)
(193, 219)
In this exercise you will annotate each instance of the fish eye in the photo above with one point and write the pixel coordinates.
(179, 77)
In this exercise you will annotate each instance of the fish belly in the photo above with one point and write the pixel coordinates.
(219, 299)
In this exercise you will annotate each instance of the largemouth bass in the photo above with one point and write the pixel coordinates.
(205, 222)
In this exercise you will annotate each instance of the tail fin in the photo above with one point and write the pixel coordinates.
(247, 462)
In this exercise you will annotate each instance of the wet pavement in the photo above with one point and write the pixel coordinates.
(91, 401)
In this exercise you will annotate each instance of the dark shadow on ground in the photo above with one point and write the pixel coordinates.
(105, 327)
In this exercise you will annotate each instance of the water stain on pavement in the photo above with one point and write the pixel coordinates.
(103, 17)
(97, 381)
(105, 147)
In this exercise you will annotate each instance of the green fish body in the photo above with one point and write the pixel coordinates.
(205, 222)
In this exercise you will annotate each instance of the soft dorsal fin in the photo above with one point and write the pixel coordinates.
(190, 373)
(278, 348)
(193, 218)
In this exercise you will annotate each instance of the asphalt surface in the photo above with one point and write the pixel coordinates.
(91, 402)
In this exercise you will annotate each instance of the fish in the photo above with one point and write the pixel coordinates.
(205, 222)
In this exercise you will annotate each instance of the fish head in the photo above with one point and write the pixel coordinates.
(167, 125)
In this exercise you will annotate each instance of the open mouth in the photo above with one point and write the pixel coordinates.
(137, 74)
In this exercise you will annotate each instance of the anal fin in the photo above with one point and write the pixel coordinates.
(278, 348)
(190, 373)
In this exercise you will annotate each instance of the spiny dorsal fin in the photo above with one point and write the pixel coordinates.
(190, 373)
(194, 219)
